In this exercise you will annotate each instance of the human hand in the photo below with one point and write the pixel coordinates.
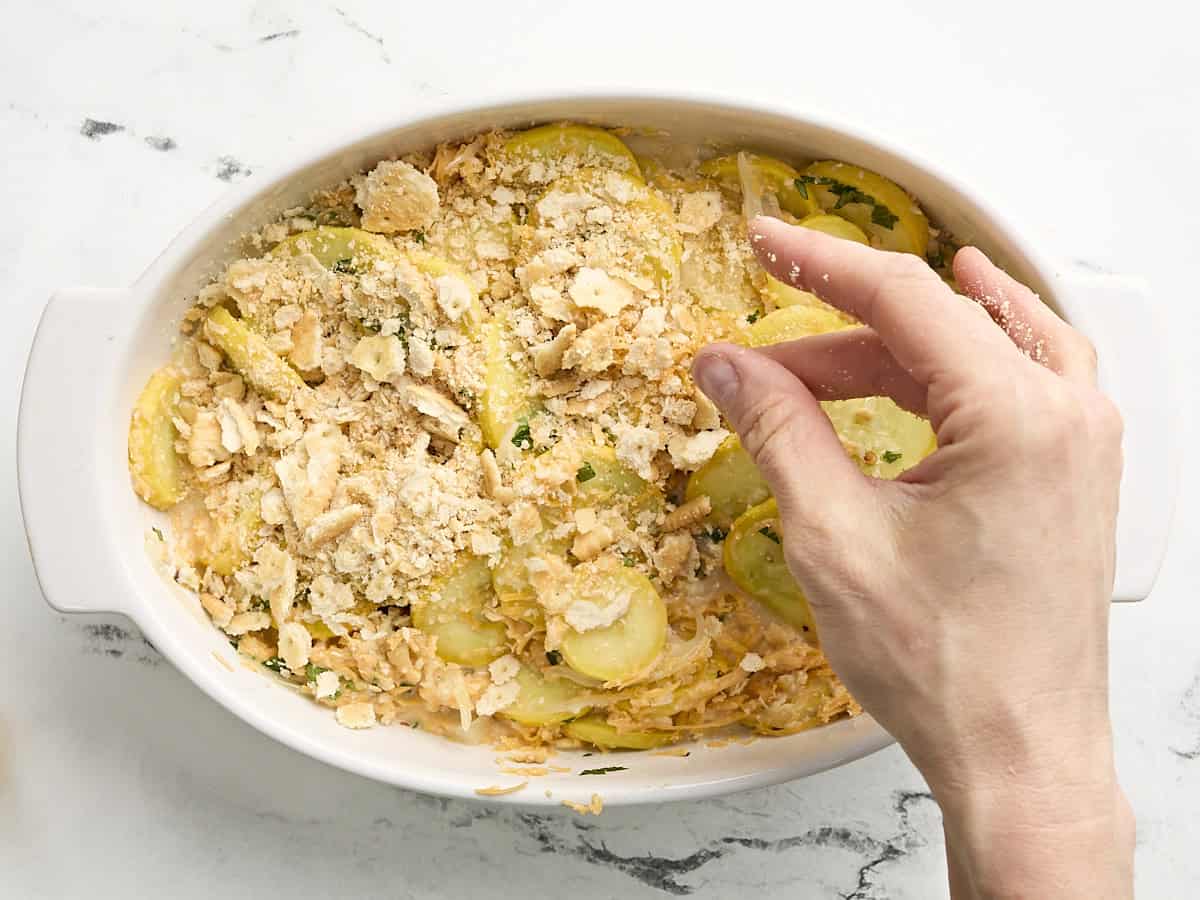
(965, 604)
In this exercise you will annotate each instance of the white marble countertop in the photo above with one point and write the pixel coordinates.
(118, 778)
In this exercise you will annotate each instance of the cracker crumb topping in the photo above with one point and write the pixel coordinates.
(432, 398)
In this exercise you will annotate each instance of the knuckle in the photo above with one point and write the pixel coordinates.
(1085, 350)
(901, 274)
(1107, 421)
(762, 429)
(907, 266)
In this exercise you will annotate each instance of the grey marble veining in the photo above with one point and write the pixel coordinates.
(123, 120)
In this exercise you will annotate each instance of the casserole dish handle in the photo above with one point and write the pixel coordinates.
(64, 469)
(1136, 372)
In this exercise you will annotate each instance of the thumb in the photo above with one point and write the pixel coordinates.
(788, 435)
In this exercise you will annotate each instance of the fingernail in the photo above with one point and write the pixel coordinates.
(717, 377)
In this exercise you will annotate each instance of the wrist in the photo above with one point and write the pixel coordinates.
(1041, 813)
(1023, 845)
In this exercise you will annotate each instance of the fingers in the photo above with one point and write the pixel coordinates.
(1028, 322)
(847, 364)
(928, 330)
(785, 431)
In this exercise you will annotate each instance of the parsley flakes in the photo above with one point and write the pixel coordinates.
(770, 534)
(846, 194)
(521, 438)
(604, 771)
(883, 216)
(585, 473)
(890, 456)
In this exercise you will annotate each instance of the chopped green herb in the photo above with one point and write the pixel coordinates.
(158, 532)
(628, 561)
(769, 533)
(553, 657)
(754, 316)
(260, 604)
(345, 266)
(419, 237)
(890, 456)
(276, 664)
(604, 771)
(846, 194)
(716, 535)
(585, 473)
(414, 724)
(312, 670)
(883, 217)
(521, 438)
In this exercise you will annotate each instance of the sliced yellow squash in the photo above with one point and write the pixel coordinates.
(631, 643)
(544, 701)
(156, 469)
(754, 559)
(731, 481)
(779, 295)
(250, 355)
(596, 731)
(883, 438)
(775, 176)
(835, 226)
(511, 578)
(603, 480)
(591, 146)
(506, 399)
(881, 208)
(792, 323)
(228, 548)
(347, 250)
(452, 611)
(664, 179)
(319, 631)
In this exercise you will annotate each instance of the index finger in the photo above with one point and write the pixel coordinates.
(927, 328)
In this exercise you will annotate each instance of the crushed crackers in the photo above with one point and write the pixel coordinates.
(427, 403)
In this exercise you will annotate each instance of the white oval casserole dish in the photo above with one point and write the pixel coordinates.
(95, 348)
